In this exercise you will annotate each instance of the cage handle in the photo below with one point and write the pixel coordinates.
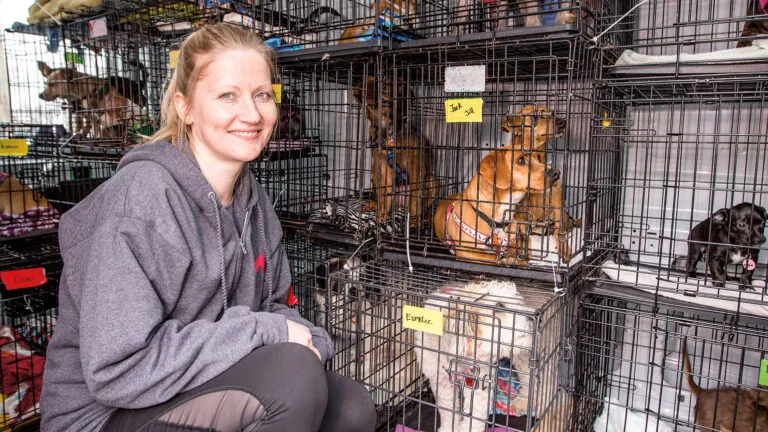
(594, 40)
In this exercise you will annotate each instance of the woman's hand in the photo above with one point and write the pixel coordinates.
(298, 333)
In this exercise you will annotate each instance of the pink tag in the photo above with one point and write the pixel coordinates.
(749, 264)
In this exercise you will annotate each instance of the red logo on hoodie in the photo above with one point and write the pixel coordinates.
(259, 264)
(291, 300)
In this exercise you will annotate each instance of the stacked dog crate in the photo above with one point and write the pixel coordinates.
(362, 168)
(673, 331)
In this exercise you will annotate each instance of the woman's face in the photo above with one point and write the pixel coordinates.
(232, 110)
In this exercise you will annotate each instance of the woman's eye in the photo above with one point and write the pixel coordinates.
(227, 96)
(264, 96)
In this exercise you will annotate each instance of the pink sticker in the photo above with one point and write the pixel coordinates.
(749, 264)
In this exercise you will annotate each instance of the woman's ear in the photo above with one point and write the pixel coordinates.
(182, 108)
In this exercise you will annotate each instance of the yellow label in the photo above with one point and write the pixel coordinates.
(172, 56)
(277, 89)
(468, 110)
(605, 122)
(426, 320)
(13, 147)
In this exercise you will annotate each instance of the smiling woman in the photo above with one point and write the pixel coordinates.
(173, 315)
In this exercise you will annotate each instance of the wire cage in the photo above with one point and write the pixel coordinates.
(36, 188)
(497, 359)
(30, 270)
(689, 38)
(93, 75)
(689, 192)
(509, 189)
(631, 372)
(317, 168)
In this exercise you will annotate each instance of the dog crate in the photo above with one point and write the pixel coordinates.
(500, 350)
(317, 169)
(688, 38)
(686, 150)
(93, 75)
(39, 180)
(537, 99)
(630, 368)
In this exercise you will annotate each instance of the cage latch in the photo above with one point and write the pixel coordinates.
(464, 376)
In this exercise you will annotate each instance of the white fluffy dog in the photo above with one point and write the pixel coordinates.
(484, 322)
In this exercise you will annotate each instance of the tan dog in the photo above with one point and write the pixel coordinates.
(529, 8)
(392, 9)
(478, 224)
(16, 198)
(543, 212)
(716, 408)
(105, 106)
(402, 160)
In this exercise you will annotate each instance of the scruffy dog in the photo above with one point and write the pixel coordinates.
(484, 323)
(728, 409)
(729, 236)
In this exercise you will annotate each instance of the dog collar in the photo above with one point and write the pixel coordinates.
(483, 238)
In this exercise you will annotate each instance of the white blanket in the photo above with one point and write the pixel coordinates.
(726, 298)
(758, 50)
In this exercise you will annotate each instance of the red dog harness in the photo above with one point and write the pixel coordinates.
(482, 238)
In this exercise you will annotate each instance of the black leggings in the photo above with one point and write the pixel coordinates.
(278, 388)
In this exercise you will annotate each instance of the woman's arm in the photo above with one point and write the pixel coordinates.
(132, 355)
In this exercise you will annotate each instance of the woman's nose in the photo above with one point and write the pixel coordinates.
(250, 111)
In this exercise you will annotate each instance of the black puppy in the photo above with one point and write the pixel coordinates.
(730, 236)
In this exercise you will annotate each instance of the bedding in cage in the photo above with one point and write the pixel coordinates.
(632, 375)
(317, 170)
(688, 221)
(672, 37)
(90, 75)
(508, 189)
(495, 361)
(39, 182)
(524, 19)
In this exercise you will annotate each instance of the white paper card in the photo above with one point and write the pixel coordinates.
(98, 27)
(465, 79)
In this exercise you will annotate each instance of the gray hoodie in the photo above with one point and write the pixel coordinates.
(162, 289)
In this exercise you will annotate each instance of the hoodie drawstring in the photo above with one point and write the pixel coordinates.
(245, 232)
(212, 196)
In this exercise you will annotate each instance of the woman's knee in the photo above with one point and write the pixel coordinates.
(350, 406)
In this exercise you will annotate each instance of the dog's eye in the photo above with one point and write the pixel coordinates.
(521, 161)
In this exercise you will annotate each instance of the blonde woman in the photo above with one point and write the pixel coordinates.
(172, 311)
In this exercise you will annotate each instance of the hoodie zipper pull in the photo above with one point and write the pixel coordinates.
(245, 232)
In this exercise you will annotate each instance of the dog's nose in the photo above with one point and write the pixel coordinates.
(554, 175)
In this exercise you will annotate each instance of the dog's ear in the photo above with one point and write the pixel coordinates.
(762, 212)
(720, 217)
(513, 124)
(494, 168)
(44, 69)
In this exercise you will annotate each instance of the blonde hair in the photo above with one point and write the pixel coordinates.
(207, 40)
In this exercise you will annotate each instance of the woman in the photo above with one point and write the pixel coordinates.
(172, 310)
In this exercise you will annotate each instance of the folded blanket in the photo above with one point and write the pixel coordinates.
(22, 378)
(38, 218)
(758, 50)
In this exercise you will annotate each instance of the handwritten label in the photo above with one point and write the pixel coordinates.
(426, 320)
(73, 58)
(763, 378)
(98, 27)
(465, 79)
(468, 110)
(13, 147)
(277, 90)
(26, 278)
(173, 55)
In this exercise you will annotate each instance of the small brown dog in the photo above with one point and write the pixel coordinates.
(394, 10)
(402, 160)
(16, 198)
(728, 409)
(102, 105)
(756, 26)
(477, 224)
(544, 211)
(529, 8)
